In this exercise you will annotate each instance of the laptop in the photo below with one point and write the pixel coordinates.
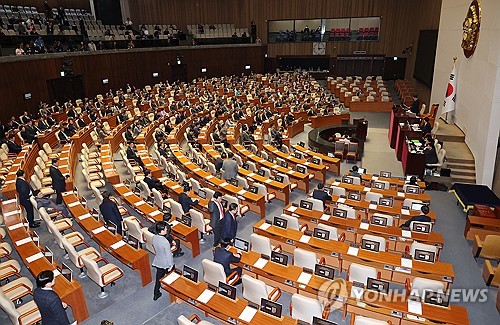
(233, 181)
(355, 196)
(347, 180)
(386, 202)
(245, 166)
(253, 189)
(241, 244)
(423, 227)
(284, 164)
(417, 206)
(324, 271)
(377, 285)
(316, 161)
(186, 220)
(301, 169)
(340, 213)
(440, 299)
(133, 242)
(190, 273)
(321, 233)
(379, 221)
(411, 189)
(280, 222)
(379, 185)
(261, 172)
(279, 178)
(306, 205)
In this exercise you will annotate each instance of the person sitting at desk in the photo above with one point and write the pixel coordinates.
(415, 106)
(430, 154)
(132, 155)
(110, 211)
(224, 257)
(219, 161)
(185, 200)
(153, 182)
(413, 181)
(426, 127)
(13, 147)
(421, 218)
(45, 202)
(354, 172)
(320, 194)
(27, 134)
(129, 135)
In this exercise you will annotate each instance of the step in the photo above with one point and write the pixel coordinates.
(463, 172)
(463, 179)
(459, 160)
(457, 165)
(450, 138)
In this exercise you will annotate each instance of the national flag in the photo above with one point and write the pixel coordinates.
(451, 93)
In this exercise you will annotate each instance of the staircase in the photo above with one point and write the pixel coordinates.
(458, 156)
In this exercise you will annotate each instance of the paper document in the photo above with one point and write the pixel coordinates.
(118, 244)
(176, 186)
(292, 208)
(169, 279)
(406, 233)
(260, 263)
(11, 213)
(353, 251)
(205, 296)
(414, 307)
(251, 175)
(139, 203)
(325, 217)
(224, 184)
(73, 204)
(406, 212)
(241, 192)
(406, 262)
(304, 278)
(174, 223)
(264, 226)
(10, 201)
(17, 225)
(35, 257)
(23, 241)
(401, 194)
(304, 239)
(372, 206)
(98, 230)
(364, 225)
(247, 314)
(155, 213)
(366, 189)
(85, 216)
(374, 178)
(128, 194)
(268, 181)
(335, 183)
(340, 200)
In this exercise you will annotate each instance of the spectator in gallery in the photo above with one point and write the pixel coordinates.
(20, 50)
(92, 47)
(130, 44)
(128, 24)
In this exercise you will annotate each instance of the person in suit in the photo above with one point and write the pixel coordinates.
(25, 191)
(415, 106)
(219, 161)
(185, 200)
(51, 307)
(132, 155)
(80, 122)
(163, 261)
(426, 127)
(320, 194)
(230, 167)
(153, 183)
(13, 147)
(422, 217)
(354, 172)
(110, 211)
(430, 154)
(229, 223)
(174, 243)
(58, 180)
(63, 136)
(42, 124)
(224, 257)
(26, 135)
(216, 215)
(45, 202)
(129, 135)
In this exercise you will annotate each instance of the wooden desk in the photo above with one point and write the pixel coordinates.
(115, 138)
(398, 196)
(187, 235)
(82, 136)
(332, 163)
(319, 171)
(219, 307)
(143, 152)
(319, 121)
(397, 116)
(137, 259)
(48, 137)
(481, 226)
(281, 190)
(68, 158)
(352, 229)
(256, 202)
(175, 189)
(301, 179)
(394, 181)
(108, 165)
(413, 162)
(405, 132)
(26, 158)
(69, 292)
(335, 254)
(296, 128)
(375, 106)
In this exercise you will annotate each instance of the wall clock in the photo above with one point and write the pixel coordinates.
(471, 26)
(319, 48)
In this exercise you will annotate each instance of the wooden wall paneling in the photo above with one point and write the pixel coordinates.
(38, 4)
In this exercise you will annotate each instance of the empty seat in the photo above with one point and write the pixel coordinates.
(103, 275)
(213, 273)
(25, 314)
(361, 273)
(304, 258)
(254, 290)
(305, 308)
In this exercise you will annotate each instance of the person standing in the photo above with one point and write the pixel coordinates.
(58, 180)
(164, 260)
(230, 167)
(216, 214)
(229, 223)
(51, 307)
(110, 212)
(25, 191)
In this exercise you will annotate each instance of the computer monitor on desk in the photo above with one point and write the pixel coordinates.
(279, 258)
(377, 285)
(386, 202)
(440, 299)
(190, 273)
(241, 244)
(355, 196)
(412, 189)
(417, 206)
(270, 307)
(424, 256)
(202, 194)
(423, 227)
(280, 222)
(385, 174)
(321, 234)
(370, 245)
(279, 178)
(227, 290)
(306, 204)
(347, 180)
(324, 271)
(340, 213)
(321, 321)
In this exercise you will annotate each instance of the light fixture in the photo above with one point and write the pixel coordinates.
(105, 81)
(203, 70)
(27, 96)
(155, 74)
(247, 67)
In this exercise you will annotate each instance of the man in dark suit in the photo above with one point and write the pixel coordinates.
(27, 136)
(219, 161)
(216, 214)
(13, 147)
(422, 217)
(152, 182)
(415, 106)
(229, 223)
(58, 180)
(430, 154)
(80, 122)
(320, 194)
(42, 124)
(185, 200)
(25, 191)
(224, 257)
(51, 308)
(110, 212)
(132, 155)
(426, 127)
(129, 135)
(354, 172)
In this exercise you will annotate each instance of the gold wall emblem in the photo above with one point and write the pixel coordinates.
(471, 27)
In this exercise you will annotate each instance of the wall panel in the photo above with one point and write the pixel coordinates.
(38, 4)
(135, 67)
